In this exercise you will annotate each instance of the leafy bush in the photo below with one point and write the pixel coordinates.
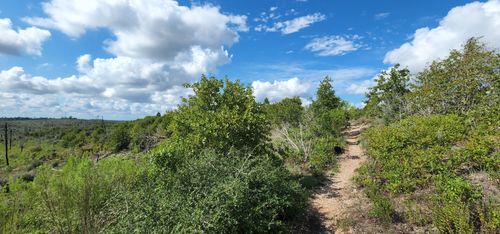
(466, 79)
(79, 198)
(324, 152)
(435, 152)
(239, 194)
(386, 100)
(287, 111)
(222, 115)
(119, 138)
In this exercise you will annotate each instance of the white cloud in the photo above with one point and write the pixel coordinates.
(278, 90)
(82, 63)
(95, 92)
(333, 45)
(293, 25)
(157, 29)
(28, 41)
(361, 88)
(382, 15)
(275, 86)
(158, 46)
(477, 19)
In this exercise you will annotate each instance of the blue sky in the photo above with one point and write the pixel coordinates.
(126, 59)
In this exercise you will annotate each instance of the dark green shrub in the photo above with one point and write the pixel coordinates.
(119, 138)
(324, 153)
(287, 111)
(222, 115)
(212, 193)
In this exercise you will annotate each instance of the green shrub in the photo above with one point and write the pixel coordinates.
(324, 152)
(410, 151)
(119, 138)
(432, 152)
(78, 198)
(212, 193)
(222, 115)
(287, 111)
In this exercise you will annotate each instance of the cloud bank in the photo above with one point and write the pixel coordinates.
(477, 19)
(157, 45)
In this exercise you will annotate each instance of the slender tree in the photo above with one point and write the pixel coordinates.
(10, 139)
(6, 144)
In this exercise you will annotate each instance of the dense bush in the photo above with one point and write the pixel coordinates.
(80, 198)
(466, 79)
(409, 152)
(239, 194)
(119, 138)
(386, 99)
(435, 152)
(287, 111)
(311, 136)
(222, 115)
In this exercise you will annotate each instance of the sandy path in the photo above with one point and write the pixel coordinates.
(339, 194)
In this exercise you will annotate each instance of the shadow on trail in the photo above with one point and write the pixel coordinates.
(312, 221)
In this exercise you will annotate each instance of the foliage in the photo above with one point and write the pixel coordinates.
(325, 97)
(240, 194)
(222, 115)
(286, 111)
(78, 198)
(324, 152)
(420, 152)
(386, 99)
(464, 80)
(313, 139)
(120, 137)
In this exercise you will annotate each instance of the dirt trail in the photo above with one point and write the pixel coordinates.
(334, 199)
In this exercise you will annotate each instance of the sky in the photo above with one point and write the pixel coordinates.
(125, 59)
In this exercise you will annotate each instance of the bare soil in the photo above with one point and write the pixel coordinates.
(334, 199)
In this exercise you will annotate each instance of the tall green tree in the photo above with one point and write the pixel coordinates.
(286, 111)
(386, 99)
(329, 115)
(325, 97)
(464, 80)
(221, 116)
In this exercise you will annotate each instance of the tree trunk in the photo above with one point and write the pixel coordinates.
(10, 140)
(6, 144)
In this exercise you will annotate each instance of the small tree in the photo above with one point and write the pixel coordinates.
(325, 97)
(287, 111)
(464, 80)
(221, 116)
(329, 114)
(6, 144)
(120, 137)
(386, 99)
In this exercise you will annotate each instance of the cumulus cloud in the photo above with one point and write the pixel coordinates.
(344, 82)
(293, 25)
(96, 91)
(82, 63)
(157, 29)
(334, 45)
(477, 19)
(278, 90)
(28, 41)
(360, 88)
(157, 45)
